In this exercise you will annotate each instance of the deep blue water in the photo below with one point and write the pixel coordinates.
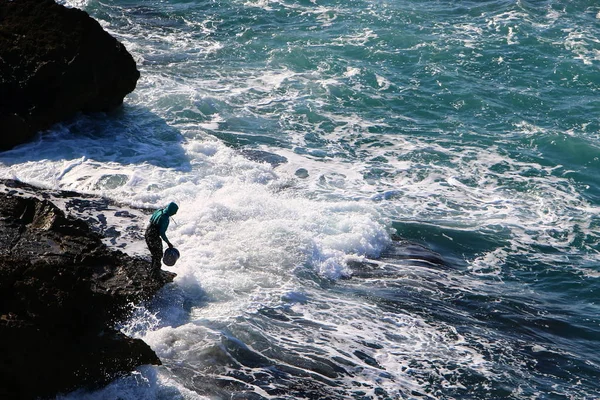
(378, 199)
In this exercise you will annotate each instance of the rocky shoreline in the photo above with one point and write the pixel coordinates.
(62, 292)
(65, 282)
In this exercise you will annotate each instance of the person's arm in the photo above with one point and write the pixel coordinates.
(164, 224)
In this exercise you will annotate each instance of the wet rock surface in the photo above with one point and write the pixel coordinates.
(62, 291)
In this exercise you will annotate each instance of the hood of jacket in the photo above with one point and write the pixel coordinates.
(172, 209)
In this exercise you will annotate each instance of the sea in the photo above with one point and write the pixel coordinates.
(378, 199)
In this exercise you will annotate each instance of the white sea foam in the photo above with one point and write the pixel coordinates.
(391, 351)
(582, 45)
(358, 39)
(75, 3)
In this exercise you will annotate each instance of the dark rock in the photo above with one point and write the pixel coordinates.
(264, 156)
(395, 258)
(55, 62)
(302, 173)
(62, 290)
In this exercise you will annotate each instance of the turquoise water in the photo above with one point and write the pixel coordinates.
(378, 199)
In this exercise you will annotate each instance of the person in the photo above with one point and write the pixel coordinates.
(157, 229)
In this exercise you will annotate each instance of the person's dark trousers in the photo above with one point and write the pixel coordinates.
(154, 243)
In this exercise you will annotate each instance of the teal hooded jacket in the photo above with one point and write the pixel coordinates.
(160, 218)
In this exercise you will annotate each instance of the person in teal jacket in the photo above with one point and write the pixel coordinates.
(157, 229)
